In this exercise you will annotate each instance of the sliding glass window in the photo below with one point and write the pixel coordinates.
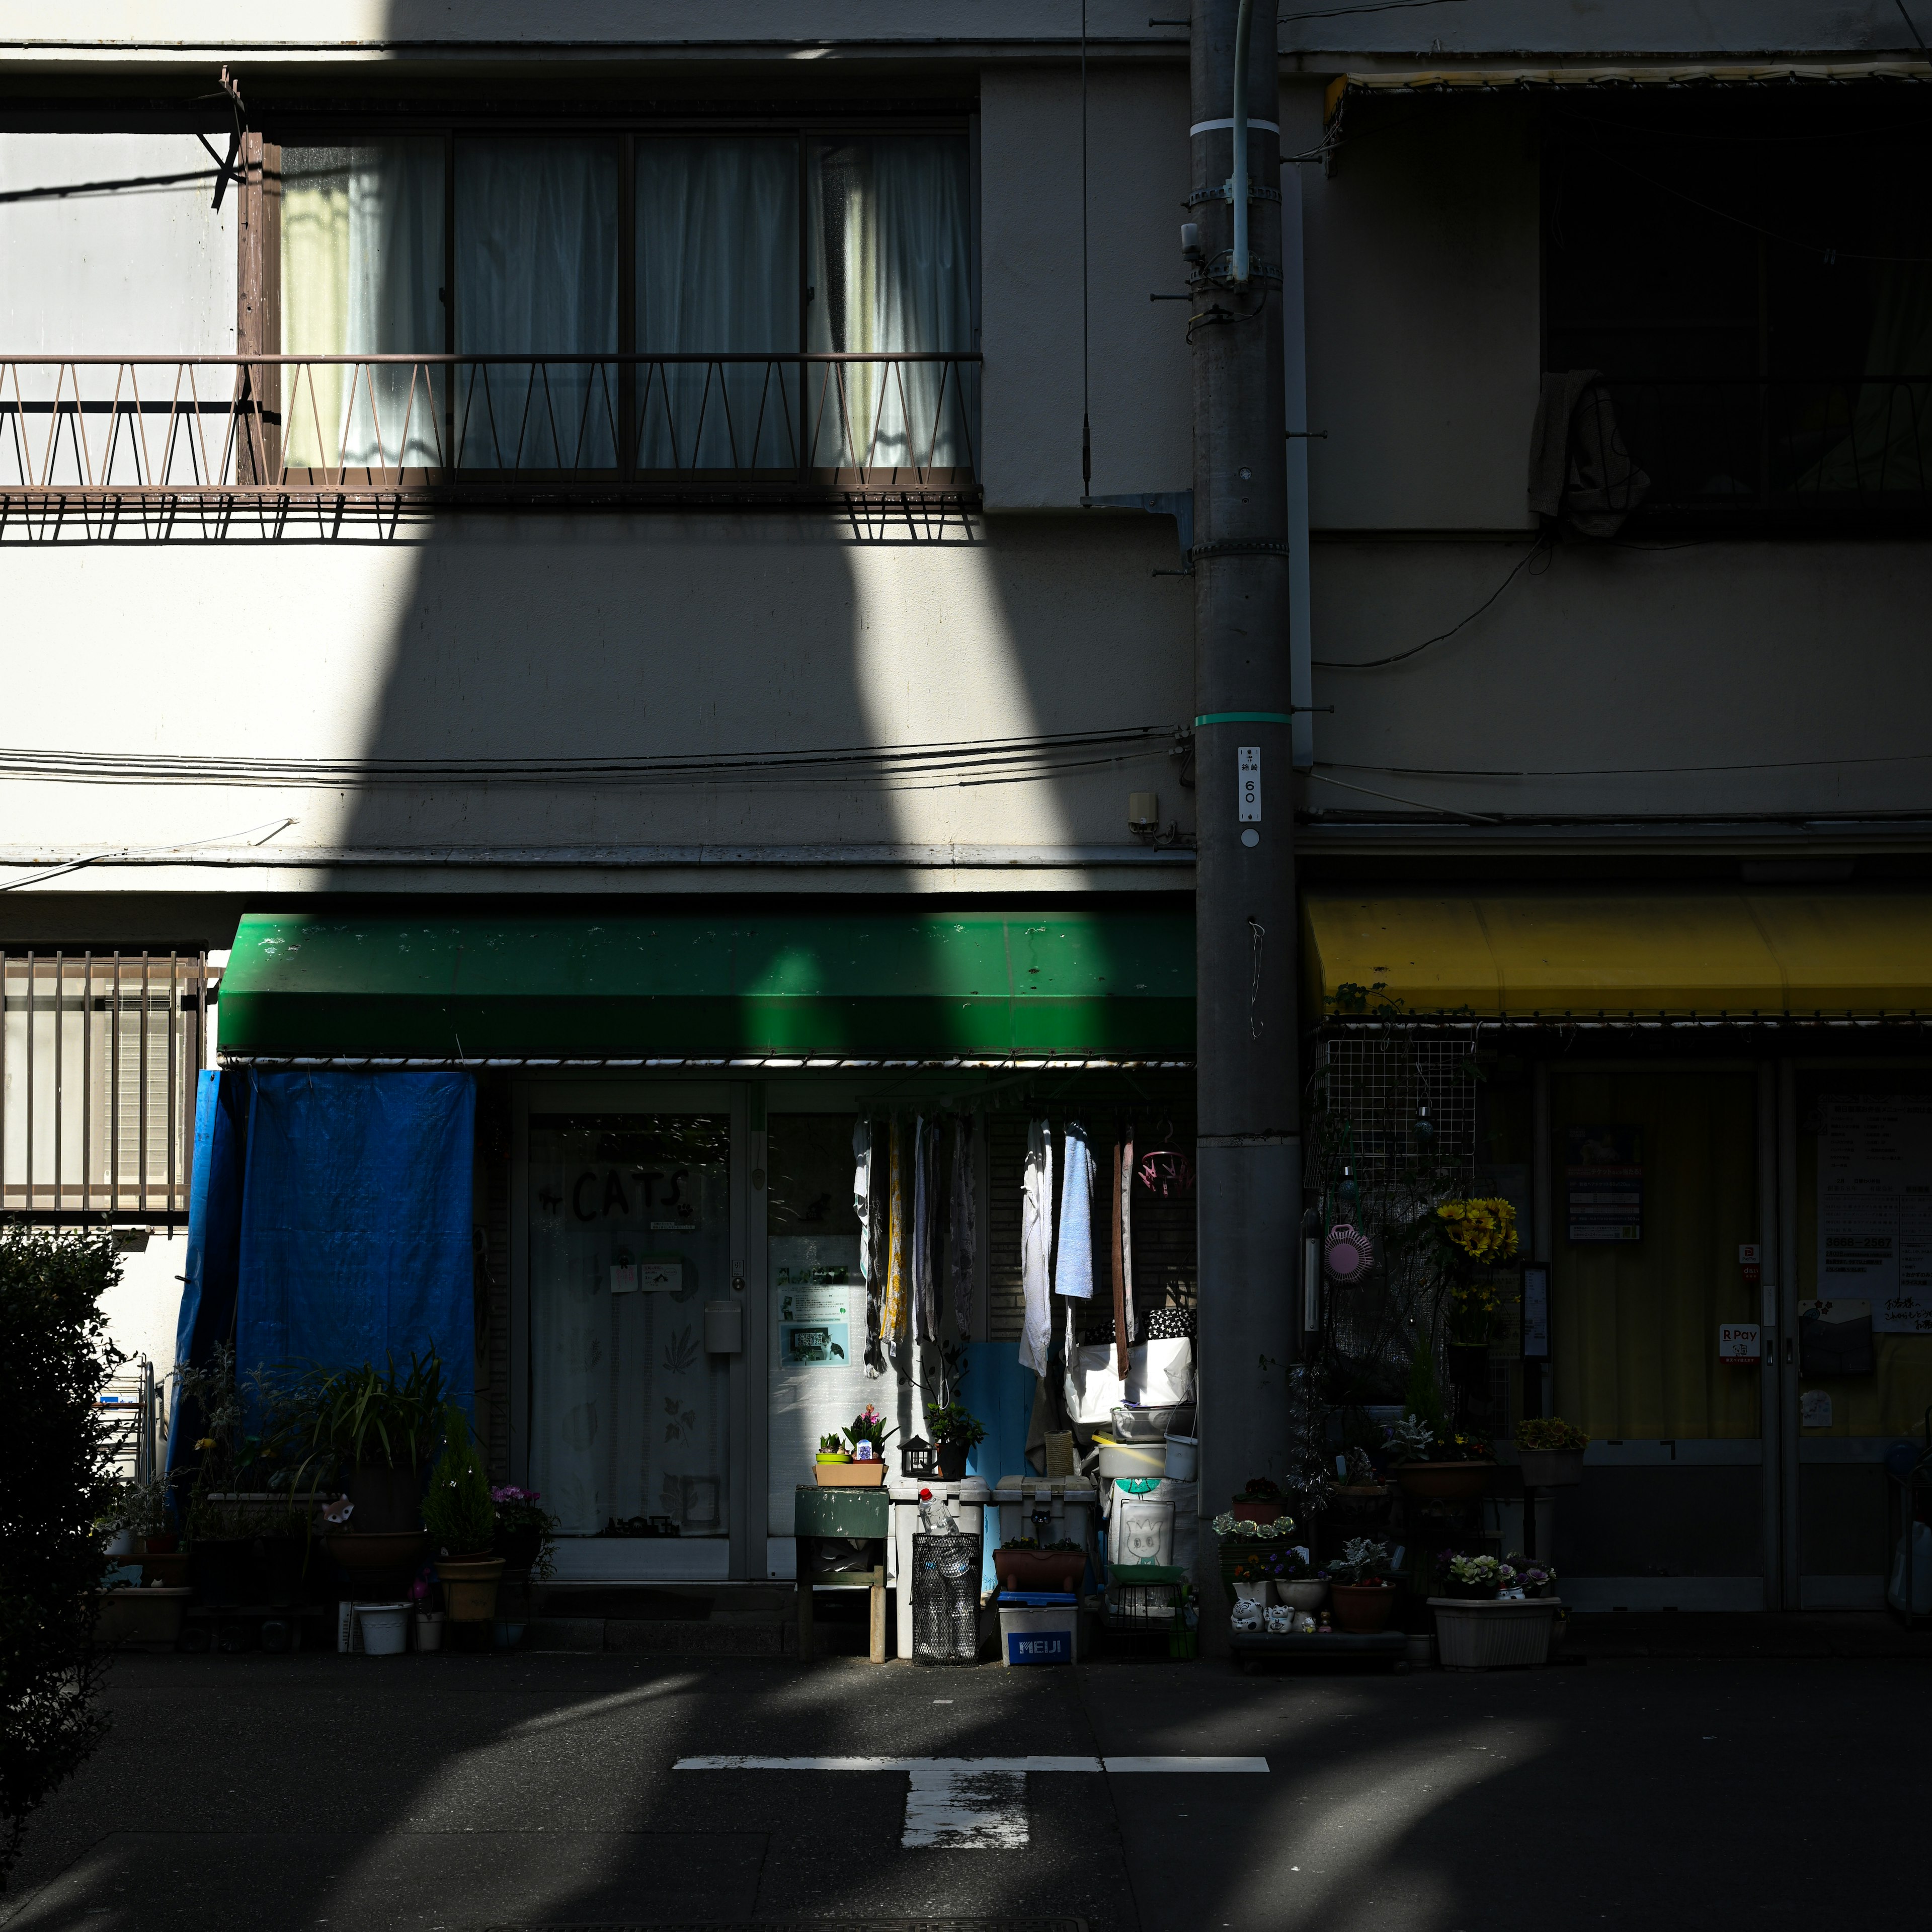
(536, 277)
(890, 272)
(759, 279)
(361, 275)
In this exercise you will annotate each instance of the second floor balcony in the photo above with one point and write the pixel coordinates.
(689, 427)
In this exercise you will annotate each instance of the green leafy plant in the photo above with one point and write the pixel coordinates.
(1362, 1561)
(318, 1420)
(458, 1509)
(1423, 1397)
(1545, 1433)
(57, 1488)
(953, 1425)
(1034, 1542)
(1411, 1440)
(868, 1426)
(833, 1443)
(519, 1512)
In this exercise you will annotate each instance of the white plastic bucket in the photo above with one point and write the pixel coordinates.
(429, 1630)
(386, 1628)
(1183, 1459)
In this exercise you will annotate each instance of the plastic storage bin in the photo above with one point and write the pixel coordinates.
(1039, 1626)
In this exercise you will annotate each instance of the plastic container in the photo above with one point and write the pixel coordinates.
(1135, 1423)
(1182, 1463)
(429, 1630)
(385, 1627)
(1039, 1626)
(1500, 1636)
(1131, 1458)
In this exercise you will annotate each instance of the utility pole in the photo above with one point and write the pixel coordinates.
(1249, 1166)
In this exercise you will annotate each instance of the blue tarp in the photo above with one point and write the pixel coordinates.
(207, 1316)
(356, 1223)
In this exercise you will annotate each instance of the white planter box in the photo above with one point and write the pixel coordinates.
(1493, 1636)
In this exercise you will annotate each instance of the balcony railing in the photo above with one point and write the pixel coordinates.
(1817, 454)
(681, 427)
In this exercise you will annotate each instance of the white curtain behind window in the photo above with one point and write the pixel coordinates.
(717, 271)
(536, 275)
(891, 268)
(362, 265)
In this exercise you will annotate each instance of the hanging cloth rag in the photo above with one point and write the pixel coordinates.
(1073, 1275)
(1123, 1299)
(960, 1243)
(1036, 1248)
(869, 1270)
(1073, 1261)
(893, 1324)
(925, 1297)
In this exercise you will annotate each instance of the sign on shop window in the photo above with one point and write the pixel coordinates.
(1604, 1176)
(1875, 1207)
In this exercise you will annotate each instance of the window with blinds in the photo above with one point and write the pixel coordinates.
(98, 1054)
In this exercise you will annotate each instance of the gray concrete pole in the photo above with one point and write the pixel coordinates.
(1249, 1204)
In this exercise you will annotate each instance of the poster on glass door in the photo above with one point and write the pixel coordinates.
(1875, 1207)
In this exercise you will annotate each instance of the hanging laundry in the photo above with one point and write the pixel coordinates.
(960, 1244)
(1036, 1248)
(926, 1295)
(892, 1322)
(1073, 1271)
(1119, 1257)
(869, 1270)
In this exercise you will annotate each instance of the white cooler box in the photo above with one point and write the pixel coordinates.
(1039, 1629)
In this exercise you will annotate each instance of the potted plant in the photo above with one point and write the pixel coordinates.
(378, 1427)
(1494, 1613)
(460, 1516)
(1022, 1563)
(1550, 1451)
(1260, 1501)
(1457, 1468)
(1362, 1586)
(1251, 1553)
(1298, 1584)
(525, 1531)
(855, 1459)
(1475, 1578)
(955, 1435)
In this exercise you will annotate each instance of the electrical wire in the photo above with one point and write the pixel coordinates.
(985, 760)
(1911, 26)
(1523, 563)
(269, 828)
(1086, 414)
(1320, 775)
(1824, 251)
(1367, 6)
(1627, 771)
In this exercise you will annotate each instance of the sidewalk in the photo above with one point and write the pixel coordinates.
(1872, 1634)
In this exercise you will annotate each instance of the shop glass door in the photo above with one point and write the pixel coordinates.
(630, 1234)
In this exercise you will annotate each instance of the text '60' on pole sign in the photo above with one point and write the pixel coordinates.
(1248, 783)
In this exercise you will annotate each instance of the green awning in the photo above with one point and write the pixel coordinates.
(709, 988)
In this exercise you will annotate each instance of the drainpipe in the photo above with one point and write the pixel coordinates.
(1248, 1202)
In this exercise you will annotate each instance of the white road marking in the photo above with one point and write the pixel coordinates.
(971, 1803)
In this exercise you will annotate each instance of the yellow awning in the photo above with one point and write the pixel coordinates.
(1737, 956)
(1702, 73)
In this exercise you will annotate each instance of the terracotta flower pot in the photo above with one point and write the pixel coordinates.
(1445, 1482)
(1039, 1569)
(470, 1585)
(1253, 1509)
(166, 1544)
(1362, 1608)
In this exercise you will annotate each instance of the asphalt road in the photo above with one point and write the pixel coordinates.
(260, 1793)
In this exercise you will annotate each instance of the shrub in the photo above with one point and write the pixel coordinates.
(56, 1483)
(1547, 1432)
(458, 1511)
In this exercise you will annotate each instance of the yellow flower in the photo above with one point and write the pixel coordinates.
(206, 1442)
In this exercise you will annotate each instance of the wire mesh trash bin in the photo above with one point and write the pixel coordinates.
(945, 1599)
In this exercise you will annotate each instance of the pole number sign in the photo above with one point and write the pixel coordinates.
(1248, 775)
